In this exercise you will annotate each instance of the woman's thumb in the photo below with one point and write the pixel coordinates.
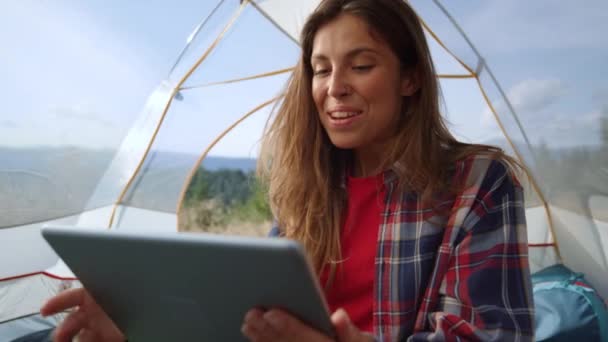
(345, 329)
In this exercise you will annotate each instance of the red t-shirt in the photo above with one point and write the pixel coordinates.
(353, 285)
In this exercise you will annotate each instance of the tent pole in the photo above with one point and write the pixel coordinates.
(168, 105)
(483, 66)
(198, 162)
(515, 149)
(262, 12)
(248, 78)
(525, 169)
(194, 33)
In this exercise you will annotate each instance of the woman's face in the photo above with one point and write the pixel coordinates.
(357, 84)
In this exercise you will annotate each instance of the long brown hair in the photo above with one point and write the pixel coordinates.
(305, 171)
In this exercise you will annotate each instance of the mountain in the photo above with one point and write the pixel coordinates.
(38, 183)
(216, 163)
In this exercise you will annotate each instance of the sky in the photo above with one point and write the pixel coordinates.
(79, 73)
(549, 58)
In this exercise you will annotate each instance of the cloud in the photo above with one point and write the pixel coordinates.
(544, 117)
(594, 117)
(533, 95)
(528, 96)
(72, 72)
(517, 24)
(558, 129)
(600, 95)
(8, 124)
(572, 130)
(81, 113)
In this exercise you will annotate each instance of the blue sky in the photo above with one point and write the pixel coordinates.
(70, 66)
(78, 73)
(551, 59)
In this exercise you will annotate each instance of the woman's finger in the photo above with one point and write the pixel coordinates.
(70, 327)
(285, 327)
(251, 333)
(255, 319)
(255, 327)
(63, 301)
(87, 335)
(346, 330)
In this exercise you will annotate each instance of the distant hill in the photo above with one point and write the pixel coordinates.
(40, 158)
(169, 159)
(216, 163)
(38, 183)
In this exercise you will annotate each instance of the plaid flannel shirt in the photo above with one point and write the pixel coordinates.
(461, 276)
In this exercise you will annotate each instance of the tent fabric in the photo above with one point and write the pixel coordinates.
(30, 329)
(128, 138)
(38, 336)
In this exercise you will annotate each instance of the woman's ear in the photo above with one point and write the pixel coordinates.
(409, 83)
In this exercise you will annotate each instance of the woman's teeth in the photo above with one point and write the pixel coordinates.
(342, 115)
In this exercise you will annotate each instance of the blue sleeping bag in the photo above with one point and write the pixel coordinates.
(567, 307)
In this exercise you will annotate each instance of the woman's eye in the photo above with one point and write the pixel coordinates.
(363, 67)
(320, 72)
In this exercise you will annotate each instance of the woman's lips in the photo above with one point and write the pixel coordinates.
(340, 119)
(343, 114)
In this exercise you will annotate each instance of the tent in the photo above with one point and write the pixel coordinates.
(108, 117)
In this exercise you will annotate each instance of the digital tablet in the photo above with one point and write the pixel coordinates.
(190, 286)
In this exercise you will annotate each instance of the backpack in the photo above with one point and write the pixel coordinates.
(567, 307)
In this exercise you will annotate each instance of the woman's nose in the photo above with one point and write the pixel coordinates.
(338, 86)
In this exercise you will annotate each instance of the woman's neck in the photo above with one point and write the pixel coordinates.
(368, 162)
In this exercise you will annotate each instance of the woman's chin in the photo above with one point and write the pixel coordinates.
(345, 144)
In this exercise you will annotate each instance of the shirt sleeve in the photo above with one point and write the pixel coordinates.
(274, 230)
(486, 292)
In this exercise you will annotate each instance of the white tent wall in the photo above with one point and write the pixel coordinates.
(33, 257)
(26, 325)
(137, 219)
(130, 154)
(289, 17)
(568, 164)
(159, 182)
(256, 45)
(23, 286)
(23, 296)
(123, 194)
(209, 28)
(34, 272)
(585, 250)
(540, 239)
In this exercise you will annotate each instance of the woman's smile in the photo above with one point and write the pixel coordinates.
(343, 117)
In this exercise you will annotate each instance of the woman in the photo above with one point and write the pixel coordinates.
(415, 235)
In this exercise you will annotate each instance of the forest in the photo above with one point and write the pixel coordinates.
(226, 199)
(234, 201)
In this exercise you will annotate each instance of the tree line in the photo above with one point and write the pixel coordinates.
(225, 196)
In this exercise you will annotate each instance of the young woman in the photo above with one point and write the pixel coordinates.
(415, 236)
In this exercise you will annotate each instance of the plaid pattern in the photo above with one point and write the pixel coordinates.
(460, 276)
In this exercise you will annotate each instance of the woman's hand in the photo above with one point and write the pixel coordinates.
(88, 321)
(277, 325)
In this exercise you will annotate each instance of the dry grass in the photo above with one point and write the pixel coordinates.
(242, 228)
(204, 218)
